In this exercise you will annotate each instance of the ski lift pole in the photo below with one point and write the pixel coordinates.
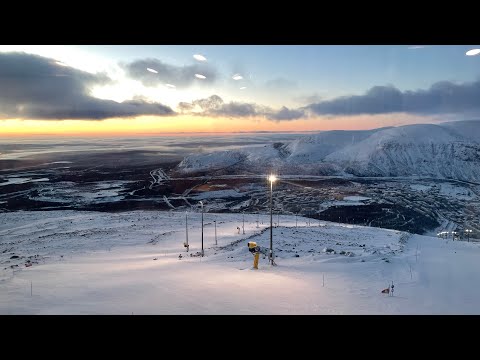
(186, 231)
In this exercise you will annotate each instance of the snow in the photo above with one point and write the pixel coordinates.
(456, 191)
(215, 194)
(67, 191)
(467, 128)
(21, 180)
(355, 198)
(128, 263)
(250, 155)
(316, 147)
(444, 151)
(420, 187)
(411, 135)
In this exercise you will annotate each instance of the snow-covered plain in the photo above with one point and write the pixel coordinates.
(128, 263)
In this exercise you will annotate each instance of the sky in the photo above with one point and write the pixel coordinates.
(164, 89)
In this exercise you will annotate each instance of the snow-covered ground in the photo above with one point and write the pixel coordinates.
(128, 263)
(456, 191)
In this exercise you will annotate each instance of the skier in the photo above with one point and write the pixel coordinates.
(391, 289)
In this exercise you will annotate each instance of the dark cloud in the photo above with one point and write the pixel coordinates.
(287, 114)
(211, 103)
(180, 76)
(36, 87)
(237, 109)
(442, 97)
(215, 106)
(185, 106)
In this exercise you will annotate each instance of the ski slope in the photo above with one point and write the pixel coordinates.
(128, 263)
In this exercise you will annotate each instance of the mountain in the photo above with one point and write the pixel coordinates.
(467, 129)
(447, 151)
(424, 150)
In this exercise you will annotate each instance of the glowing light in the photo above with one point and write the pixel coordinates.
(472, 52)
(237, 77)
(170, 86)
(199, 57)
(416, 47)
(60, 63)
(272, 178)
(152, 71)
(200, 76)
(243, 88)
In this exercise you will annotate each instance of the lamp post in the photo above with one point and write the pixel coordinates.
(272, 179)
(468, 234)
(201, 203)
(186, 230)
(215, 222)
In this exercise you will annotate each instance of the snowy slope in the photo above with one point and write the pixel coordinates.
(255, 157)
(128, 263)
(314, 148)
(468, 129)
(451, 151)
(424, 149)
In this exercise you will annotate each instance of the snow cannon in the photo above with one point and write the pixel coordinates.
(255, 250)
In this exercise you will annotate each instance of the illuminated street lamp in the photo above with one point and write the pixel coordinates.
(272, 179)
(468, 232)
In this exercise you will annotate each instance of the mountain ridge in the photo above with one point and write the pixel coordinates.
(446, 151)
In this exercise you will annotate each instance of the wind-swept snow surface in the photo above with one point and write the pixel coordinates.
(129, 263)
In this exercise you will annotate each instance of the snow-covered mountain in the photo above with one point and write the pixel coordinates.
(450, 150)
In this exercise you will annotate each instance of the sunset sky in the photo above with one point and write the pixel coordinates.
(162, 89)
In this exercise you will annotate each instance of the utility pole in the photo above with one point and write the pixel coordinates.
(201, 203)
(215, 222)
(186, 230)
(243, 219)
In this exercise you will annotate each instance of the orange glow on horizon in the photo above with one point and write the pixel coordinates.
(181, 124)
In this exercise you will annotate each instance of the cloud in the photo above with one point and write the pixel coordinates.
(180, 76)
(37, 87)
(287, 114)
(442, 97)
(215, 106)
(308, 99)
